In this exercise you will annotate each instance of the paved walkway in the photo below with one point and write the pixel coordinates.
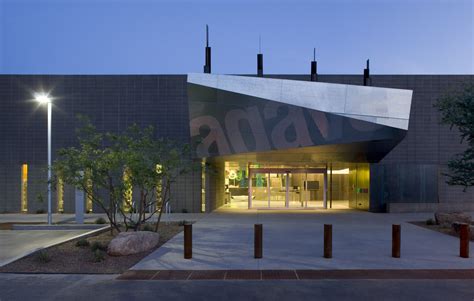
(294, 241)
(15, 244)
(88, 218)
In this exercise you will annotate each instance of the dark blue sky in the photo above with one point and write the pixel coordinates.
(165, 37)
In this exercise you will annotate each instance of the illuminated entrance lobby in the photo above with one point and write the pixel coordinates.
(271, 143)
(260, 186)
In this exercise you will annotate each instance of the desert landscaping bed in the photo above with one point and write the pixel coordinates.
(90, 258)
(441, 229)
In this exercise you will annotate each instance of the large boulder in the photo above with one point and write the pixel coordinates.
(127, 243)
(446, 219)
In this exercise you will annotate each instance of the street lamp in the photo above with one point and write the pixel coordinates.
(43, 98)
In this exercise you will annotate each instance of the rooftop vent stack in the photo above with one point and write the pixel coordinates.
(314, 67)
(259, 58)
(367, 80)
(207, 66)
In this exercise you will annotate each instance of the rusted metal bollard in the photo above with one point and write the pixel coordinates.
(396, 241)
(258, 243)
(188, 241)
(327, 241)
(464, 241)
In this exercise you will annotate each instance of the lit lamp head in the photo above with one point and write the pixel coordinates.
(42, 98)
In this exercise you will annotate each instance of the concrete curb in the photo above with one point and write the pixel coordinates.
(56, 227)
(296, 274)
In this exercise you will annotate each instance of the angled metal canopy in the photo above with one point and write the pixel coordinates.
(240, 114)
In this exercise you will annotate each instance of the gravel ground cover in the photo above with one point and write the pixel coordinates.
(89, 259)
(439, 228)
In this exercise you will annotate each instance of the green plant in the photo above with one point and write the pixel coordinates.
(147, 227)
(98, 246)
(456, 111)
(43, 256)
(82, 243)
(99, 256)
(430, 222)
(151, 165)
(100, 221)
(40, 211)
(40, 198)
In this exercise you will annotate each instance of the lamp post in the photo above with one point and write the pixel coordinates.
(45, 99)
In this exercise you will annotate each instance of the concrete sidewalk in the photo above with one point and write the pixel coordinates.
(88, 218)
(294, 240)
(15, 244)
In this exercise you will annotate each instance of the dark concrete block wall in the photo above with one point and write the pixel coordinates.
(419, 161)
(215, 186)
(186, 193)
(10, 187)
(116, 101)
(113, 102)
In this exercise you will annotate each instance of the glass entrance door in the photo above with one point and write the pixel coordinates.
(259, 198)
(293, 188)
(314, 190)
(277, 190)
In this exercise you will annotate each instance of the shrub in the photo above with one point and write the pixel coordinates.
(98, 246)
(100, 221)
(147, 227)
(430, 222)
(40, 211)
(99, 256)
(43, 257)
(82, 243)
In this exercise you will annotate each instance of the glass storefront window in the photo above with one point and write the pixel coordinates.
(60, 195)
(296, 186)
(24, 188)
(236, 182)
(203, 186)
(127, 197)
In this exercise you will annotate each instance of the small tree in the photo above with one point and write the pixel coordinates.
(457, 110)
(151, 165)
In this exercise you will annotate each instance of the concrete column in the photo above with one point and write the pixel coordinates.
(268, 189)
(79, 208)
(250, 187)
(325, 201)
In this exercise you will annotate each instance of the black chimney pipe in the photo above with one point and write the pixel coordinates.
(259, 58)
(367, 80)
(207, 66)
(314, 67)
(260, 65)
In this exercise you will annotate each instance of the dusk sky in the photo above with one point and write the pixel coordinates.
(167, 37)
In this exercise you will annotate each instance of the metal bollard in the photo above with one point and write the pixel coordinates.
(396, 241)
(327, 241)
(188, 241)
(464, 241)
(258, 243)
